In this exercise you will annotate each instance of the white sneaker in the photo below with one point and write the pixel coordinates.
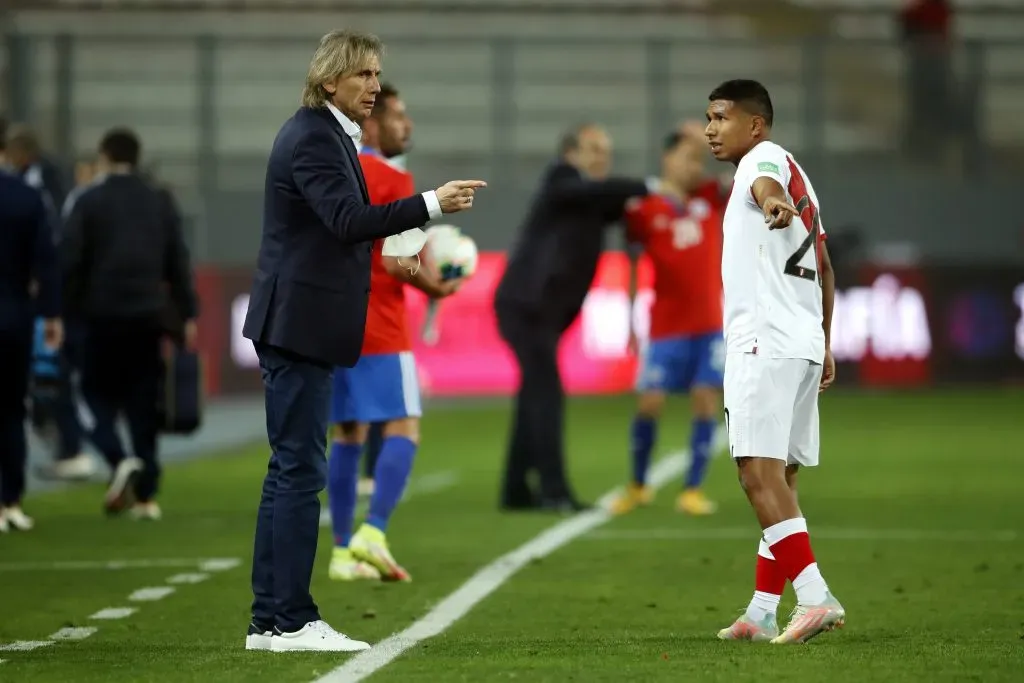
(316, 636)
(255, 640)
(18, 519)
(5, 526)
(146, 511)
(79, 467)
(121, 492)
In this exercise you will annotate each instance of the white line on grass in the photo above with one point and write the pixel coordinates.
(206, 564)
(188, 578)
(485, 581)
(114, 613)
(151, 594)
(24, 645)
(721, 534)
(73, 633)
(425, 485)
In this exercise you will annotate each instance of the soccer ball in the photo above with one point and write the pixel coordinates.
(452, 253)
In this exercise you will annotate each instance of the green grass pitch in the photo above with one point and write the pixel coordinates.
(916, 515)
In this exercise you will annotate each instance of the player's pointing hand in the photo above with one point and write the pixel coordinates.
(778, 213)
(457, 195)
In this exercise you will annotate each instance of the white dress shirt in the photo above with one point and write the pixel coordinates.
(356, 133)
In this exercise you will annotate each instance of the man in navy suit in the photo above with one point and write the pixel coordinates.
(307, 311)
(28, 261)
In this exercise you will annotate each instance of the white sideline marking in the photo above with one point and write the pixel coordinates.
(432, 483)
(114, 613)
(746, 533)
(151, 594)
(74, 633)
(427, 484)
(219, 564)
(24, 645)
(207, 564)
(188, 578)
(485, 581)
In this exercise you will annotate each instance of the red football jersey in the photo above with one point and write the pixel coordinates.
(386, 327)
(684, 243)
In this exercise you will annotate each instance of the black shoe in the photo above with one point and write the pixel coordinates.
(565, 505)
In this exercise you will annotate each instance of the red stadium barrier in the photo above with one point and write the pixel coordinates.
(892, 327)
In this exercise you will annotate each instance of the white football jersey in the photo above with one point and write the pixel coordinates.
(770, 277)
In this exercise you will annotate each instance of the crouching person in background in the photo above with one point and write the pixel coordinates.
(122, 243)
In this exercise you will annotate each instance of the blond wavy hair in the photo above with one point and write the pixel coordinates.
(340, 53)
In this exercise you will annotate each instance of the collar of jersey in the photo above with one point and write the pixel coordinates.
(370, 151)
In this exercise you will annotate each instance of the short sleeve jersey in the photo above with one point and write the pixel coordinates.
(386, 327)
(771, 278)
(683, 240)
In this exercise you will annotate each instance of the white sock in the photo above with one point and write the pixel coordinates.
(810, 586)
(762, 604)
(777, 532)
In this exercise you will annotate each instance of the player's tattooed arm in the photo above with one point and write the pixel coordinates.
(828, 299)
(424, 278)
(771, 197)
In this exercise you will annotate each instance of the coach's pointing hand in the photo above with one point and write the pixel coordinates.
(457, 195)
(778, 213)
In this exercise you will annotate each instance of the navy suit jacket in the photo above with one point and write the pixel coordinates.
(312, 279)
(27, 253)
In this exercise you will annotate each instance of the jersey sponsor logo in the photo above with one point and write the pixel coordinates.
(698, 209)
(768, 167)
(686, 233)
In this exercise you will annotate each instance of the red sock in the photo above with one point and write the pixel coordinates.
(792, 554)
(769, 577)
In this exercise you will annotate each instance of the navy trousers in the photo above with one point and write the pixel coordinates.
(121, 369)
(298, 393)
(16, 351)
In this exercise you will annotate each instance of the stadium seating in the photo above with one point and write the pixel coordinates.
(512, 86)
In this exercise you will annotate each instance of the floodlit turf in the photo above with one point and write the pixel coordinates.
(906, 479)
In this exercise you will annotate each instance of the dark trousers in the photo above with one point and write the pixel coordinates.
(298, 393)
(16, 352)
(65, 410)
(121, 369)
(536, 441)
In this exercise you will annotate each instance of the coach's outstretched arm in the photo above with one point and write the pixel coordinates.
(322, 178)
(611, 192)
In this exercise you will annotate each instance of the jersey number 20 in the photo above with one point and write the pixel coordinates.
(809, 214)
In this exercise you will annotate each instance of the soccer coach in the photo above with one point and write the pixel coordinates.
(307, 311)
(548, 276)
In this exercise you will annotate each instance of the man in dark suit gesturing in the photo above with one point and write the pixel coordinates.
(307, 311)
(547, 278)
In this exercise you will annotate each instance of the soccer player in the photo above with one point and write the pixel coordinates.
(382, 386)
(680, 229)
(779, 293)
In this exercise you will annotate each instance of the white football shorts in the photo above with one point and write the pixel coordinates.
(771, 408)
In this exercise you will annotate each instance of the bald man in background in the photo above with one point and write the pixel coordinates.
(549, 273)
